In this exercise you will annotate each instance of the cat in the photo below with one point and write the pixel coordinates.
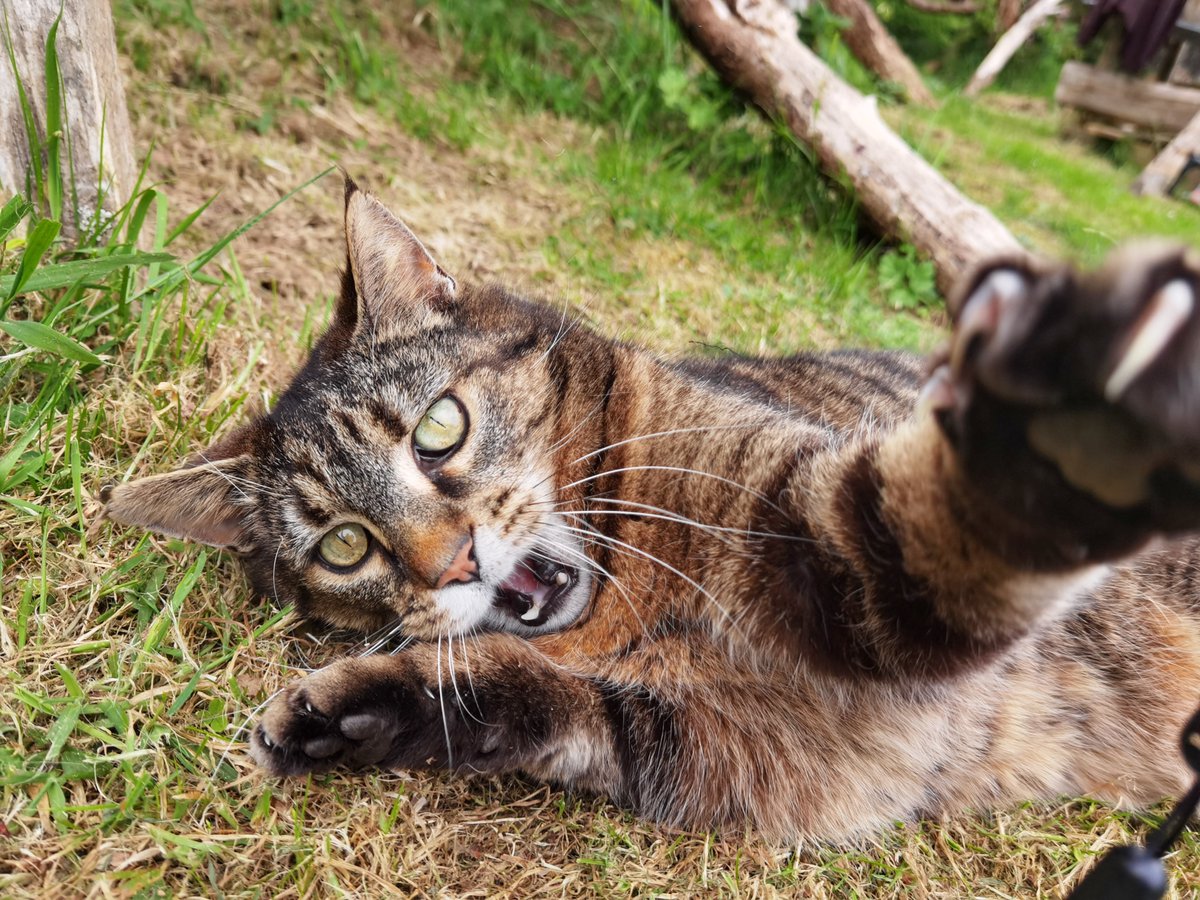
(811, 595)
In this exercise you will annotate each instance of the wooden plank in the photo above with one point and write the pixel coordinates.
(1186, 70)
(755, 46)
(1156, 179)
(1165, 107)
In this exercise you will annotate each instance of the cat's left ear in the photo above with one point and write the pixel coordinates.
(200, 502)
(395, 277)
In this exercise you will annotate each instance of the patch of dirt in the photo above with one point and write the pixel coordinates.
(480, 211)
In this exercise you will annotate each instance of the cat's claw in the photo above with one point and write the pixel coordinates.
(1166, 313)
(309, 728)
(1093, 378)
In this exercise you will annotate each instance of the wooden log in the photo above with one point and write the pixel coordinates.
(875, 47)
(1156, 179)
(1011, 41)
(753, 44)
(1151, 104)
(97, 129)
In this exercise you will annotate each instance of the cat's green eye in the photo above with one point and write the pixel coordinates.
(344, 545)
(441, 429)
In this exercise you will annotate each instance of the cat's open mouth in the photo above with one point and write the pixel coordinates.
(534, 591)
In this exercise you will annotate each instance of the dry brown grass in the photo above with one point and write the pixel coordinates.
(178, 809)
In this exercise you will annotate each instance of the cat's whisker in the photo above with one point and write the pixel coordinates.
(562, 331)
(233, 480)
(599, 569)
(675, 516)
(240, 730)
(379, 638)
(562, 442)
(402, 646)
(683, 470)
(724, 539)
(668, 433)
(670, 568)
(467, 666)
(442, 705)
(454, 679)
(274, 569)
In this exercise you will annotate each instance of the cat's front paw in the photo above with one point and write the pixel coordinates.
(1074, 399)
(354, 714)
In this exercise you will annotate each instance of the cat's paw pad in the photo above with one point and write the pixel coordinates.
(1097, 373)
(319, 724)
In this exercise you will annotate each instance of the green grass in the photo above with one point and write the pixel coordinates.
(675, 214)
(1060, 197)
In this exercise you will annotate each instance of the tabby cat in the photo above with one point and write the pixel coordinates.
(813, 595)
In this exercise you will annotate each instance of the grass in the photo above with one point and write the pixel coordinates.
(578, 149)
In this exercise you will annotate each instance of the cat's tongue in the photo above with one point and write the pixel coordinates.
(523, 581)
(532, 590)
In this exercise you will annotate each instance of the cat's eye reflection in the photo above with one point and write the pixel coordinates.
(344, 545)
(441, 429)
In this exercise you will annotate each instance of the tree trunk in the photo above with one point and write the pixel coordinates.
(753, 44)
(97, 144)
(1158, 177)
(1007, 13)
(1009, 44)
(870, 42)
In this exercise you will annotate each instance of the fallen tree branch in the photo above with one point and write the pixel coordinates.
(875, 47)
(753, 44)
(1012, 41)
(964, 7)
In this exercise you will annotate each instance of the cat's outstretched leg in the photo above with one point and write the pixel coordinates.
(497, 705)
(675, 730)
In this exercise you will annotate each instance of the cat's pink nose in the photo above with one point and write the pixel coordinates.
(463, 568)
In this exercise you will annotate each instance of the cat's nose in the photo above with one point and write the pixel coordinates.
(463, 567)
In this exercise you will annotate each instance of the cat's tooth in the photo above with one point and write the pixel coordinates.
(1164, 316)
(531, 614)
(561, 578)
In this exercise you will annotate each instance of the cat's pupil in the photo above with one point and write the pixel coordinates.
(344, 545)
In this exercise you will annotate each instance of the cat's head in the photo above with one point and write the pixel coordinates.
(410, 473)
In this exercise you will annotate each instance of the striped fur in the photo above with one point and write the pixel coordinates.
(800, 600)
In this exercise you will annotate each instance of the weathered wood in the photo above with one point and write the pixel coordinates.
(1152, 104)
(753, 44)
(1011, 41)
(1156, 179)
(1186, 69)
(1007, 13)
(875, 47)
(97, 122)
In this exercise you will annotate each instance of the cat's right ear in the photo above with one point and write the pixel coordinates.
(392, 280)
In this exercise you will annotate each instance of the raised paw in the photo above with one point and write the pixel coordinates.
(355, 714)
(1074, 399)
